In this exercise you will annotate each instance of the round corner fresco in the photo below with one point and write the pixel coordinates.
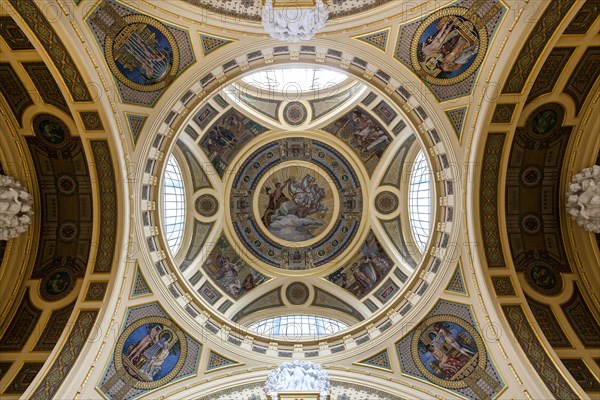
(151, 351)
(449, 46)
(447, 350)
(50, 129)
(143, 54)
(58, 284)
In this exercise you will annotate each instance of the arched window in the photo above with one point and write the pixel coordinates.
(296, 79)
(173, 204)
(297, 326)
(419, 205)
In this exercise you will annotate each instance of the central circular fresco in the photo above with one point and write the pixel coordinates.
(296, 203)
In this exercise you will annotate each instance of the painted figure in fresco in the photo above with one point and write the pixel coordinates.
(366, 270)
(449, 365)
(544, 121)
(445, 348)
(227, 269)
(226, 136)
(147, 358)
(135, 352)
(444, 336)
(276, 198)
(450, 48)
(367, 136)
(307, 199)
(155, 362)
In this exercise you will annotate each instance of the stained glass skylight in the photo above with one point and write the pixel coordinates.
(295, 80)
(419, 205)
(173, 204)
(298, 326)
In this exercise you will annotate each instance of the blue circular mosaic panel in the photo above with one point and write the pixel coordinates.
(151, 351)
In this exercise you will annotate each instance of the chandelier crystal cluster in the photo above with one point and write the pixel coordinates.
(583, 198)
(298, 376)
(15, 208)
(294, 21)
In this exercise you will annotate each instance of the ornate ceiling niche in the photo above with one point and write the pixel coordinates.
(304, 152)
(541, 266)
(69, 252)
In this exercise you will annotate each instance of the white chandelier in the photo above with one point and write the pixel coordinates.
(15, 208)
(298, 376)
(293, 20)
(583, 198)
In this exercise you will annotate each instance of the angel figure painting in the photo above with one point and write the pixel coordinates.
(151, 352)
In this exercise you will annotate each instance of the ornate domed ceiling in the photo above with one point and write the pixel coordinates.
(385, 199)
(301, 209)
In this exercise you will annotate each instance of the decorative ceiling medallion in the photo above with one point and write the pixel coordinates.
(150, 353)
(386, 202)
(297, 293)
(295, 113)
(207, 205)
(296, 203)
(449, 46)
(449, 352)
(142, 53)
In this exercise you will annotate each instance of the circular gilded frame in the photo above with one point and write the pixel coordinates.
(478, 25)
(165, 80)
(125, 376)
(481, 352)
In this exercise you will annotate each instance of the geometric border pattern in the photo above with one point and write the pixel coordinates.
(584, 77)
(217, 361)
(211, 43)
(380, 360)
(108, 205)
(457, 283)
(8, 27)
(457, 118)
(46, 85)
(136, 123)
(54, 47)
(140, 286)
(538, 357)
(489, 200)
(377, 39)
(67, 356)
(14, 92)
(539, 37)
